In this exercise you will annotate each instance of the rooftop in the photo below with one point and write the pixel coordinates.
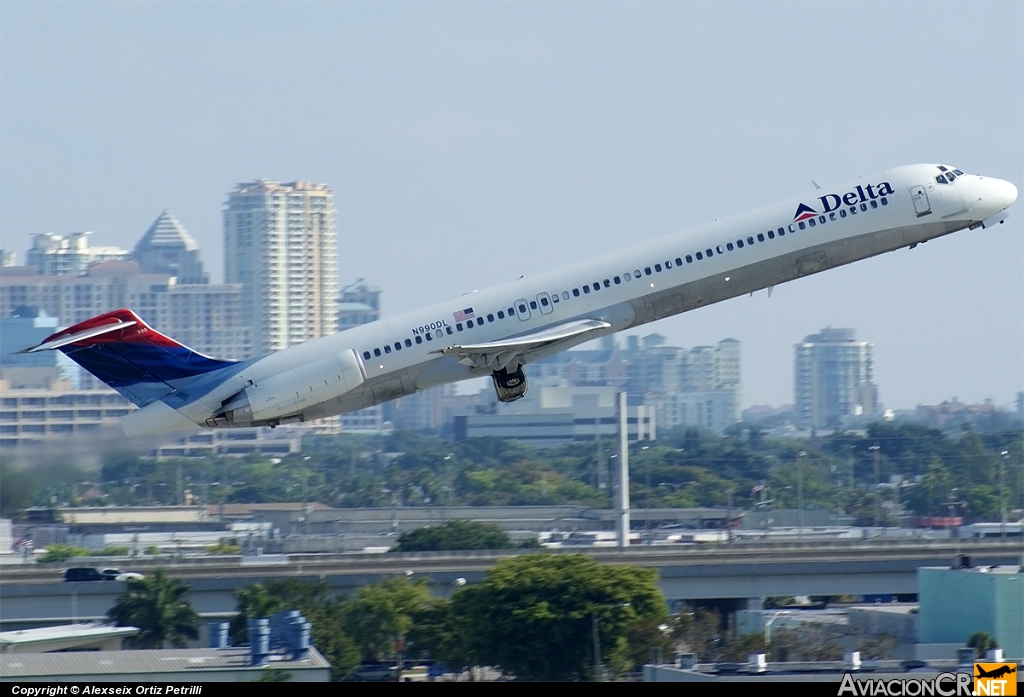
(166, 231)
(68, 631)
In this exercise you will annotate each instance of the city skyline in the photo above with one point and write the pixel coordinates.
(478, 143)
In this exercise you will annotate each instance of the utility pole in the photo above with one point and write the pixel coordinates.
(878, 502)
(622, 503)
(800, 493)
(1002, 497)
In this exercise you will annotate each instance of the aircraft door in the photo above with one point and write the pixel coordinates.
(523, 309)
(921, 204)
(544, 303)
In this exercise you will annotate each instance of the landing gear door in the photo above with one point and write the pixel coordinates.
(544, 303)
(523, 309)
(921, 204)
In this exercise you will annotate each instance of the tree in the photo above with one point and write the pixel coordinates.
(381, 615)
(254, 602)
(158, 607)
(454, 535)
(60, 552)
(437, 631)
(534, 615)
(982, 642)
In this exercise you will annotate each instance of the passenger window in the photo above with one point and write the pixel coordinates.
(636, 273)
(719, 249)
(739, 243)
(842, 212)
(511, 312)
(831, 216)
(554, 297)
(398, 345)
(750, 241)
(782, 232)
(679, 261)
(586, 289)
(522, 309)
(771, 234)
(387, 349)
(544, 302)
(576, 292)
(429, 337)
(874, 204)
(565, 295)
(885, 201)
(408, 343)
(490, 318)
(419, 339)
(479, 321)
(617, 280)
(812, 222)
(458, 326)
(376, 352)
(668, 264)
(760, 235)
(689, 259)
(821, 219)
(792, 228)
(533, 304)
(699, 256)
(449, 331)
(366, 355)
(647, 270)
(729, 246)
(853, 210)
(501, 314)
(657, 267)
(709, 253)
(863, 206)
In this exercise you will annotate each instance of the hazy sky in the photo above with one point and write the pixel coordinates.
(469, 143)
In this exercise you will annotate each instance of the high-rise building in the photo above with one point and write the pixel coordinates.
(280, 244)
(835, 379)
(56, 255)
(359, 303)
(168, 248)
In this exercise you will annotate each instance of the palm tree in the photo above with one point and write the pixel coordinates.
(158, 607)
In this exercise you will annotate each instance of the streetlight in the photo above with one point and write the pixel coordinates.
(768, 629)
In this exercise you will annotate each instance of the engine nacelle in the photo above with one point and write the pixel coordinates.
(289, 392)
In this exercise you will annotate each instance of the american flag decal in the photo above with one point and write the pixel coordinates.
(463, 315)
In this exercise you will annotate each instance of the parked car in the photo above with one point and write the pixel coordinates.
(83, 573)
(119, 575)
(376, 673)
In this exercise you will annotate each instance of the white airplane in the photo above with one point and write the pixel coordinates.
(499, 331)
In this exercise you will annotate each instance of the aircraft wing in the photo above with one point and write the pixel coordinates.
(499, 354)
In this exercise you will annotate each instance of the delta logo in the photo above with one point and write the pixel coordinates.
(833, 202)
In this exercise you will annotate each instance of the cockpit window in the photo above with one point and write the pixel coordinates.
(942, 169)
(941, 179)
(950, 176)
(958, 173)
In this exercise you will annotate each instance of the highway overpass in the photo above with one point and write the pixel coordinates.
(34, 594)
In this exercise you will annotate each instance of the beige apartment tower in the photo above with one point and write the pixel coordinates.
(281, 244)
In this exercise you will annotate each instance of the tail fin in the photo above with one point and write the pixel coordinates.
(125, 353)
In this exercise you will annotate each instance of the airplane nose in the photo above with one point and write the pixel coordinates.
(1002, 192)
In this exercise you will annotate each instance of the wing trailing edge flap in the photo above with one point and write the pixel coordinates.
(500, 354)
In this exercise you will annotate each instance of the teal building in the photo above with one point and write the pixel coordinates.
(956, 603)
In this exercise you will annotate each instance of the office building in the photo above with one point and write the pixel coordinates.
(57, 255)
(280, 244)
(359, 303)
(167, 248)
(834, 379)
